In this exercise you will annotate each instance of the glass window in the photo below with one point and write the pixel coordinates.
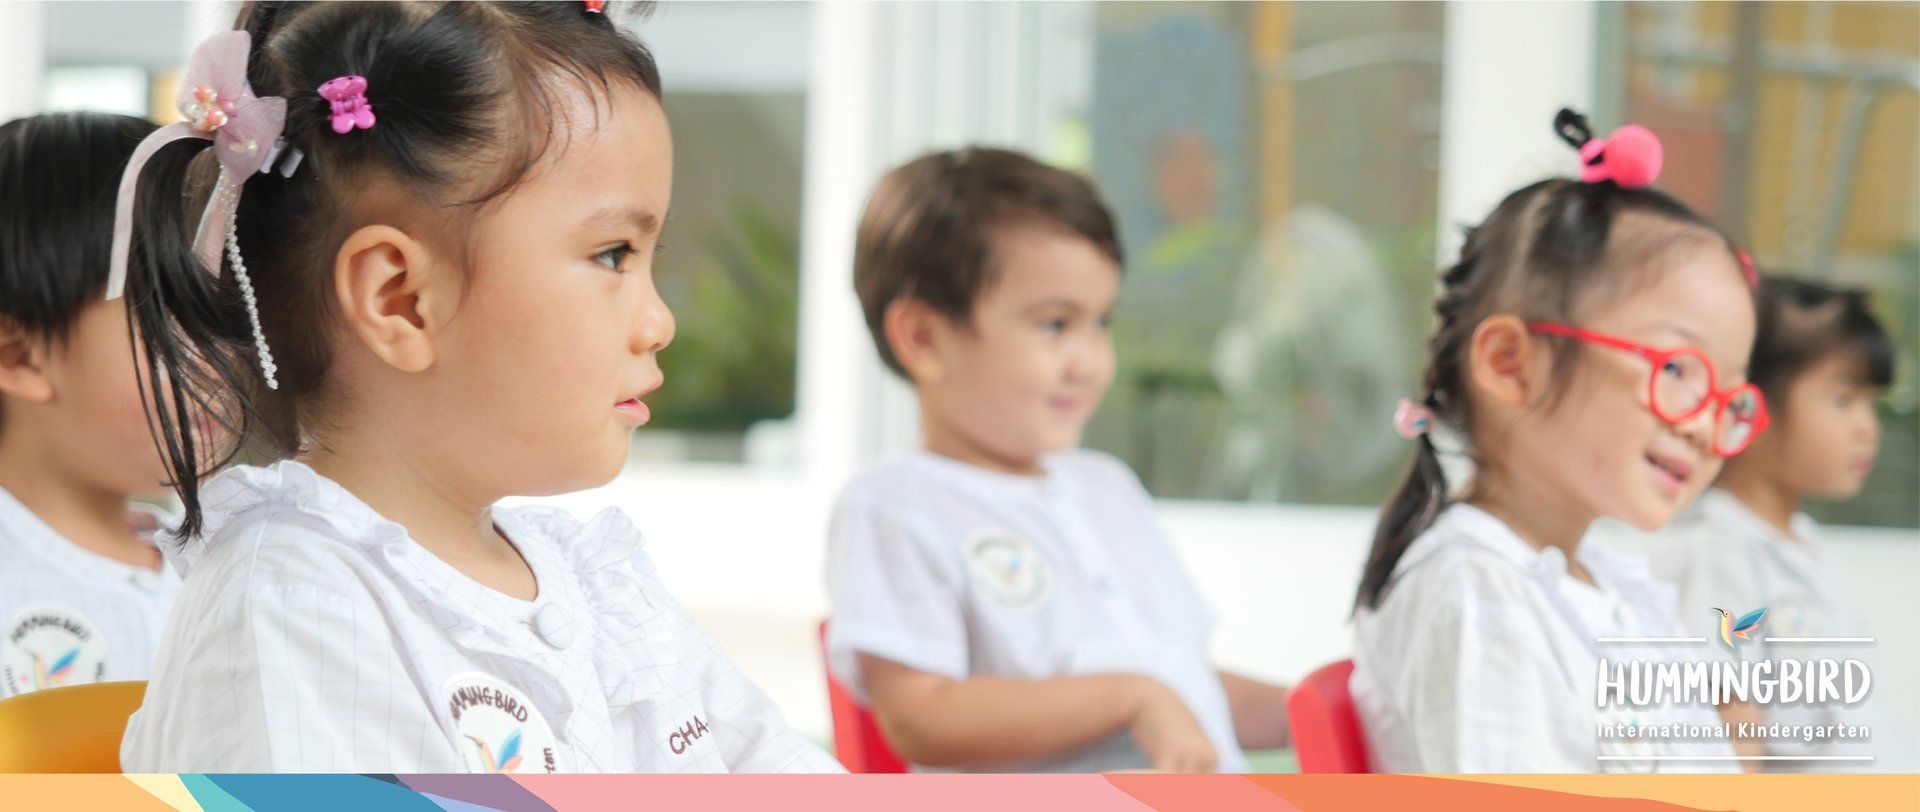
(1275, 171)
(1796, 125)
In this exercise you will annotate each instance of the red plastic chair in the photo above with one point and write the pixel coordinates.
(857, 740)
(1326, 729)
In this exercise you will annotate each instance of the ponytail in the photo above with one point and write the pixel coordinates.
(1411, 510)
(188, 331)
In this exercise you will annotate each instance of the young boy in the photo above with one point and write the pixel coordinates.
(1822, 361)
(1003, 600)
(83, 590)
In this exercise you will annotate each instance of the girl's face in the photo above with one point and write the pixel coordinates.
(543, 369)
(1600, 447)
(1826, 434)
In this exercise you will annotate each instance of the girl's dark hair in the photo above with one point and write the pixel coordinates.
(1802, 322)
(469, 98)
(1547, 252)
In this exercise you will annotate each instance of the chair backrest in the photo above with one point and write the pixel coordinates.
(71, 729)
(1326, 728)
(857, 740)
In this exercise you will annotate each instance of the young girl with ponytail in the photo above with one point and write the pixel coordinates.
(431, 226)
(1587, 361)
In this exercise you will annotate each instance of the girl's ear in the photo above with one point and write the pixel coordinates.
(24, 358)
(393, 296)
(1505, 363)
(919, 336)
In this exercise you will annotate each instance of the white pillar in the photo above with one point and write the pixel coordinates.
(203, 19)
(1508, 68)
(836, 365)
(23, 35)
(890, 81)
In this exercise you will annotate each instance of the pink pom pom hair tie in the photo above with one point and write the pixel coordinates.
(348, 95)
(1410, 419)
(1746, 267)
(1630, 157)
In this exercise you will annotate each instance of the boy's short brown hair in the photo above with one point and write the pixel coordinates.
(929, 226)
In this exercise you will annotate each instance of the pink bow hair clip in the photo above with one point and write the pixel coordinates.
(1410, 420)
(348, 95)
(218, 105)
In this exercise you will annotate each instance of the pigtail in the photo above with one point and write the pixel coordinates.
(1467, 289)
(189, 336)
(1407, 514)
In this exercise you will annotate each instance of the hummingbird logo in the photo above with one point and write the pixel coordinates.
(48, 675)
(507, 760)
(1742, 627)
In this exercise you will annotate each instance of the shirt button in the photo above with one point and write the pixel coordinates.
(554, 626)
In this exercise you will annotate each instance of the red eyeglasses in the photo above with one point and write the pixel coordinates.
(1682, 384)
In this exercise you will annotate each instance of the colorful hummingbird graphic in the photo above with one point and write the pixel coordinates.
(1731, 628)
(45, 676)
(509, 753)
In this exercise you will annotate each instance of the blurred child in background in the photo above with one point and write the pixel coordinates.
(83, 589)
(1003, 599)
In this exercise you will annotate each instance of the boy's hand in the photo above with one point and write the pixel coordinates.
(1170, 735)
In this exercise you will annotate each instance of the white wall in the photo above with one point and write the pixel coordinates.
(22, 56)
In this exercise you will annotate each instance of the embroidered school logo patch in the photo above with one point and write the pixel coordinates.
(499, 730)
(1741, 628)
(48, 645)
(1008, 568)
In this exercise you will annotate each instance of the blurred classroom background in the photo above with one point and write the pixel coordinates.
(1287, 178)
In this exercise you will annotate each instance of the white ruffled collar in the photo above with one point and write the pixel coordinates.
(591, 564)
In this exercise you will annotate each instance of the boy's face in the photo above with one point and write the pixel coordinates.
(1023, 377)
(1825, 436)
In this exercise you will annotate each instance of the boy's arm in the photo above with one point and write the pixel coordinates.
(980, 721)
(1259, 711)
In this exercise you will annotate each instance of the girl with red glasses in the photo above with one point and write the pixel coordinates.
(1588, 360)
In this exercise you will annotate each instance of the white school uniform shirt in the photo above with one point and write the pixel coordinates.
(955, 570)
(1481, 658)
(312, 635)
(1721, 554)
(73, 616)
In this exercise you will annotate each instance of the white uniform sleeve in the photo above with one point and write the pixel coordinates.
(283, 662)
(1482, 693)
(752, 734)
(895, 596)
